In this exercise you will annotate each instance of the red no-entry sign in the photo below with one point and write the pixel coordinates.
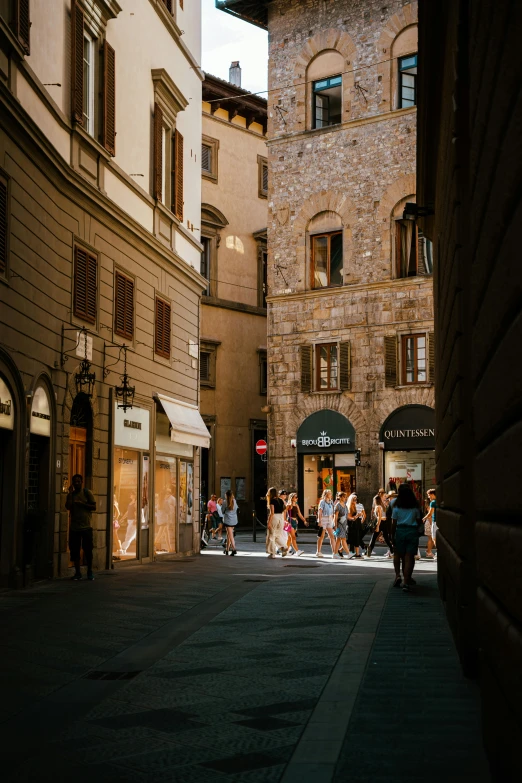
(261, 447)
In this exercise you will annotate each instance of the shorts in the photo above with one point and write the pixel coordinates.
(406, 540)
(214, 521)
(327, 523)
(81, 539)
(434, 529)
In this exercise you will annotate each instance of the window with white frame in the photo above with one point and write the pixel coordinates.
(88, 83)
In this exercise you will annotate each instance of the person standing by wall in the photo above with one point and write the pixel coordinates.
(276, 538)
(430, 523)
(80, 503)
(325, 517)
(407, 515)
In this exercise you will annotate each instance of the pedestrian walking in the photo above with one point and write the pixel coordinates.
(325, 518)
(354, 527)
(364, 525)
(407, 517)
(341, 525)
(276, 537)
(80, 503)
(229, 509)
(214, 519)
(430, 523)
(382, 525)
(293, 514)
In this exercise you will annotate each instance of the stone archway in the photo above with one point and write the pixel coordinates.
(402, 187)
(399, 21)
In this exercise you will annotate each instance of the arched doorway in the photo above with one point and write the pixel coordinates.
(326, 458)
(408, 438)
(80, 438)
(38, 527)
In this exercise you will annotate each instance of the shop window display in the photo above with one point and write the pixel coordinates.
(182, 492)
(125, 503)
(415, 467)
(326, 471)
(165, 505)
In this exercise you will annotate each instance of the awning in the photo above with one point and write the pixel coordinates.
(186, 422)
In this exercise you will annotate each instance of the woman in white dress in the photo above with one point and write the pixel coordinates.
(276, 536)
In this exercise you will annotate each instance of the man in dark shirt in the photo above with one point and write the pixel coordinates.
(81, 503)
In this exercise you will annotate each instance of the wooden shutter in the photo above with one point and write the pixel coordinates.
(306, 368)
(21, 23)
(124, 306)
(77, 62)
(431, 356)
(162, 346)
(181, 4)
(177, 175)
(204, 366)
(158, 152)
(167, 4)
(206, 158)
(345, 375)
(109, 99)
(85, 275)
(3, 226)
(265, 178)
(390, 361)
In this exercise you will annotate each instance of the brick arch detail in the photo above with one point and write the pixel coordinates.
(403, 398)
(340, 403)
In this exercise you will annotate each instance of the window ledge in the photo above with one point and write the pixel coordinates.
(402, 386)
(207, 385)
(326, 391)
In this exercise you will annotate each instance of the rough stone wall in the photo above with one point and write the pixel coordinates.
(360, 169)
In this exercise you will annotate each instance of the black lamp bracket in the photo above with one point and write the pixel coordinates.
(64, 355)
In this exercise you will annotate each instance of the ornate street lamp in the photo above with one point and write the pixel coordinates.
(125, 392)
(85, 379)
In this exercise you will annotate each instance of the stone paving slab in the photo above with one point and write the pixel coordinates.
(237, 673)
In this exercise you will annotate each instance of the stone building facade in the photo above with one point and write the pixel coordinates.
(233, 308)
(350, 309)
(99, 278)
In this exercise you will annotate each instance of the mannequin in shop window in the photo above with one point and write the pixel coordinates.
(116, 514)
(169, 511)
(160, 542)
(130, 516)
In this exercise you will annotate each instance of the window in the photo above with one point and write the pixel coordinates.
(407, 81)
(177, 175)
(263, 372)
(124, 306)
(205, 262)
(168, 163)
(262, 167)
(162, 330)
(4, 226)
(413, 251)
(209, 158)
(264, 277)
(327, 102)
(327, 368)
(85, 280)
(21, 23)
(327, 260)
(204, 366)
(414, 359)
(88, 83)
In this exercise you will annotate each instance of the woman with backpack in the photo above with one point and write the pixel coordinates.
(407, 516)
(229, 509)
(276, 536)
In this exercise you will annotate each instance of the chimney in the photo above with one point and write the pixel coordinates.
(234, 73)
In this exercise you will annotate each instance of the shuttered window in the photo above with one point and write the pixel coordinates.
(306, 368)
(158, 152)
(414, 359)
(124, 306)
(262, 176)
(204, 366)
(206, 158)
(345, 374)
(390, 361)
(77, 44)
(431, 356)
(327, 367)
(162, 331)
(3, 226)
(109, 99)
(21, 23)
(85, 279)
(264, 179)
(177, 174)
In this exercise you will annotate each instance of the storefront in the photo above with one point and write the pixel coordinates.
(326, 458)
(38, 528)
(131, 481)
(179, 431)
(408, 439)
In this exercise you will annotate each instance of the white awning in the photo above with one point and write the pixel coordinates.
(187, 425)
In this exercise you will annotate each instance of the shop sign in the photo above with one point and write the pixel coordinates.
(40, 423)
(326, 430)
(407, 471)
(131, 428)
(411, 427)
(6, 407)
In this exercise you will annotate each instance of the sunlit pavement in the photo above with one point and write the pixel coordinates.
(236, 669)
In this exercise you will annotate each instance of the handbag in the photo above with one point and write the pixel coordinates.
(288, 527)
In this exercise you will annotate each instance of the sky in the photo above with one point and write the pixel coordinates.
(226, 39)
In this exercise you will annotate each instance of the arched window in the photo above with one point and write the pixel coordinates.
(325, 231)
(404, 59)
(324, 78)
(413, 252)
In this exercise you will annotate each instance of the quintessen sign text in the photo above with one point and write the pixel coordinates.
(425, 433)
(411, 427)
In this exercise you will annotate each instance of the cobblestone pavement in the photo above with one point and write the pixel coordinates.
(235, 669)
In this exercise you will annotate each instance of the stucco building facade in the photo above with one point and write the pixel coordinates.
(100, 195)
(350, 309)
(233, 312)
